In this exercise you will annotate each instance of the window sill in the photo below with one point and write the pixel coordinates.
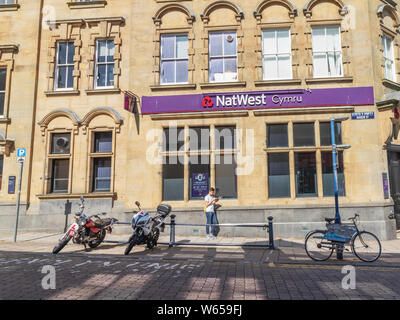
(326, 80)
(88, 4)
(391, 84)
(277, 82)
(62, 93)
(103, 91)
(222, 84)
(172, 86)
(93, 195)
(9, 7)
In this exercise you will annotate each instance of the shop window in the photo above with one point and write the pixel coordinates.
(174, 139)
(327, 174)
(277, 135)
(1, 169)
(101, 161)
(225, 176)
(60, 175)
(277, 57)
(174, 59)
(303, 134)
(104, 68)
(3, 78)
(64, 66)
(199, 176)
(173, 179)
(388, 58)
(278, 175)
(102, 174)
(199, 138)
(326, 136)
(223, 57)
(327, 52)
(306, 174)
(225, 138)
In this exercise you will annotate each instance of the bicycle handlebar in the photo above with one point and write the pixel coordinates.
(354, 218)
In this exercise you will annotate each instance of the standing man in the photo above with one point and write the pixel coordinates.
(210, 200)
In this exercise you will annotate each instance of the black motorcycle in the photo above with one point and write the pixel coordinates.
(146, 230)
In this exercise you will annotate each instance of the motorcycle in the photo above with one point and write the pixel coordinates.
(86, 230)
(146, 230)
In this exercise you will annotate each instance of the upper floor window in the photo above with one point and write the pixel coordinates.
(327, 52)
(223, 57)
(3, 77)
(388, 58)
(64, 65)
(174, 59)
(7, 1)
(105, 50)
(277, 57)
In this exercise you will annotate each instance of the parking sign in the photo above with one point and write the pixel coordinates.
(21, 153)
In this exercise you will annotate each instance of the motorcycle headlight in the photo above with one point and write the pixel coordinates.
(82, 223)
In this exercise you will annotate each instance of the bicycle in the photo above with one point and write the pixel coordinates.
(320, 244)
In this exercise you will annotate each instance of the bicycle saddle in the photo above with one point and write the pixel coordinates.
(329, 220)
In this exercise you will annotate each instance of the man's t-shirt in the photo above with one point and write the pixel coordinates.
(209, 198)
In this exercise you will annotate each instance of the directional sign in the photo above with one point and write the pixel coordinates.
(21, 154)
(362, 115)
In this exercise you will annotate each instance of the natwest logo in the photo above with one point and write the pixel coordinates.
(207, 102)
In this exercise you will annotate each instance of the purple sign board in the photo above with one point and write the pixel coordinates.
(253, 100)
(199, 185)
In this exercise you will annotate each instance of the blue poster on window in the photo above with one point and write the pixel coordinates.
(199, 185)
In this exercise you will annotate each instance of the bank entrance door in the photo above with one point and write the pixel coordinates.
(394, 178)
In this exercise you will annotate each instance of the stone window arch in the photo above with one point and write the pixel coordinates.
(212, 23)
(102, 120)
(389, 23)
(328, 13)
(173, 19)
(64, 30)
(284, 16)
(60, 121)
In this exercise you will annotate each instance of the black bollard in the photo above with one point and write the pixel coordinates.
(271, 233)
(172, 231)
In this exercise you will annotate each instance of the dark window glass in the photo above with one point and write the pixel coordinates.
(174, 139)
(303, 134)
(60, 143)
(199, 165)
(225, 176)
(277, 135)
(225, 138)
(327, 174)
(199, 138)
(2, 95)
(3, 76)
(325, 133)
(101, 174)
(103, 142)
(306, 174)
(60, 175)
(1, 169)
(173, 179)
(278, 175)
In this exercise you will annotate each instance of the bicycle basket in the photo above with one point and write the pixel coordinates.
(340, 232)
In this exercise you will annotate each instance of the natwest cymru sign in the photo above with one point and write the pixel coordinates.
(258, 100)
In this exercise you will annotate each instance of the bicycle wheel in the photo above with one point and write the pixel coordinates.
(317, 248)
(366, 246)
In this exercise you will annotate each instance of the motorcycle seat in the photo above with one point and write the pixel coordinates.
(103, 223)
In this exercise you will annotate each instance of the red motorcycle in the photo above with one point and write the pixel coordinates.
(86, 230)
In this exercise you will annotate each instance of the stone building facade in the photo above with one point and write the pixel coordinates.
(106, 95)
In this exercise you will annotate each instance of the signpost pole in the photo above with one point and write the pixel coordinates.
(21, 165)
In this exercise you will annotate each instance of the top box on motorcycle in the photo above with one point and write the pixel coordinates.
(164, 209)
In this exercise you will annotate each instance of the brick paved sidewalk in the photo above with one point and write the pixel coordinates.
(287, 251)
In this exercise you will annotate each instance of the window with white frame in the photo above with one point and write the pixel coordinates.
(7, 1)
(388, 58)
(3, 77)
(327, 52)
(277, 56)
(64, 66)
(174, 59)
(223, 57)
(105, 50)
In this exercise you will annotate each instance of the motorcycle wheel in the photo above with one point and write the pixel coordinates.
(96, 243)
(152, 242)
(61, 244)
(132, 242)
